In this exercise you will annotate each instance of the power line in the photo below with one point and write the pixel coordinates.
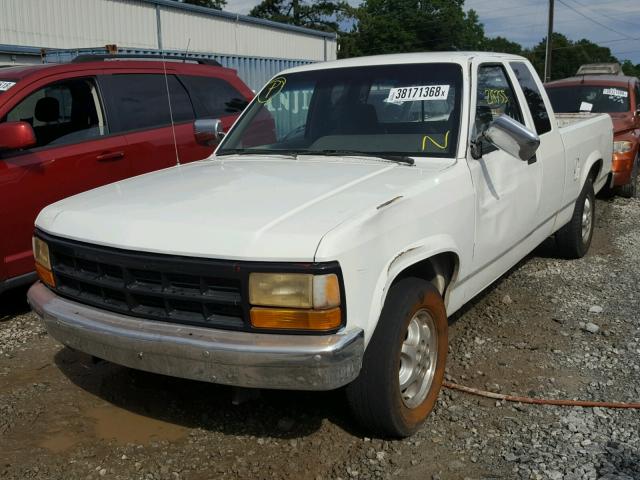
(635, 24)
(592, 20)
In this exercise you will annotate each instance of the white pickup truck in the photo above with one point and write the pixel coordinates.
(352, 207)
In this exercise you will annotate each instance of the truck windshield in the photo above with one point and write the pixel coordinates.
(589, 98)
(407, 109)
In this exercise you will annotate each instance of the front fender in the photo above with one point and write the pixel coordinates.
(404, 258)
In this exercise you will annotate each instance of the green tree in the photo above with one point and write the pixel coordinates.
(567, 56)
(317, 14)
(630, 69)
(502, 45)
(391, 26)
(217, 4)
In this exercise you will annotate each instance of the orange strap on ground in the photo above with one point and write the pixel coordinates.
(539, 401)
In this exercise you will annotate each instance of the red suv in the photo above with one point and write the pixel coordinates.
(67, 128)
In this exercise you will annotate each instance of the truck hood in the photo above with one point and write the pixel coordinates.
(260, 208)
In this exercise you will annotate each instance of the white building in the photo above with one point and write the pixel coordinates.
(256, 48)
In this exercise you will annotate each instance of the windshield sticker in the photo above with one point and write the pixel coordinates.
(586, 107)
(427, 139)
(418, 94)
(271, 89)
(614, 92)
(5, 85)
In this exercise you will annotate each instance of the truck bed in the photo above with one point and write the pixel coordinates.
(566, 119)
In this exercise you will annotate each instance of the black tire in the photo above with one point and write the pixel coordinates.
(631, 189)
(375, 396)
(569, 239)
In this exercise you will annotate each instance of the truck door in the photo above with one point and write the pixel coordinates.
(507, 189)
(550, 155)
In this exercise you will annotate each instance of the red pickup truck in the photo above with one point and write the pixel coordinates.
(67, 128)
(619, 96)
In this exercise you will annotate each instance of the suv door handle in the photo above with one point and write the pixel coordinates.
(105, 157)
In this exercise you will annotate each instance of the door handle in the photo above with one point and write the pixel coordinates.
(105, 157)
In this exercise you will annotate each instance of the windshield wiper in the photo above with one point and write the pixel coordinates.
(398, 158)
(261, 151)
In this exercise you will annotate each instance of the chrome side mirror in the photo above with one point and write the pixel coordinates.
(208, 132)
(510, 136)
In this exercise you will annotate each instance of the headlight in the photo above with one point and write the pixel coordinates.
(43, 262)
(294, 290)
(295, 301)
(622, 146)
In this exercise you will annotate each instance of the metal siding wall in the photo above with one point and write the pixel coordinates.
(237, 38)
(255, 72)
(77, 23)
(132, 23)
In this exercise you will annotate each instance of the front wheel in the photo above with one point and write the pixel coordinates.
(403, 365)
(573, 240)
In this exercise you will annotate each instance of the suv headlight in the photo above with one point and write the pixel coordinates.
(622, 146)
(297, 301)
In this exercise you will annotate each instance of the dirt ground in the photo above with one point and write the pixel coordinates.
(549, 328)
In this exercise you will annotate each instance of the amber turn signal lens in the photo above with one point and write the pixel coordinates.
(45, 275)
(41, 253)
(289, 319)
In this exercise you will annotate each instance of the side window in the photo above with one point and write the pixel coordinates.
(637, 95)
(533, 96)
(63, 112)
(214, 97)
(140, 101)
(495, 97)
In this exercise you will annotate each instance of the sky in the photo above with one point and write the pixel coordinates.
(610, 23)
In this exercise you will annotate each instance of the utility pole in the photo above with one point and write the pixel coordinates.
(547, 57)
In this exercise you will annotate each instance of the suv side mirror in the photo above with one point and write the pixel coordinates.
(16, 135)
(208, 132)
(510, 136)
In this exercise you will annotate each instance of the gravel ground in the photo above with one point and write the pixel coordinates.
(549, 328)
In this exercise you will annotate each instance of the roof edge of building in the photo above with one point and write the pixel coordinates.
(241, 18)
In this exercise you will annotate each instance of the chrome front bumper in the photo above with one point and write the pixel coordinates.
(258, 360)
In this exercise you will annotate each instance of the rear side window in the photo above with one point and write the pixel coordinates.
(214, 97)
(533, 96)
(140, 101)
(62, 113)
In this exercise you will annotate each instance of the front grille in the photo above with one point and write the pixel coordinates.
(159, 287)
(170, 288)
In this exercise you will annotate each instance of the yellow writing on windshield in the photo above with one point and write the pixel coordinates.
(271, 89)
(427, 139)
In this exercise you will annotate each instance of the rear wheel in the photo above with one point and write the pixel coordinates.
(631, 189)
(403, 366)
(573, 240)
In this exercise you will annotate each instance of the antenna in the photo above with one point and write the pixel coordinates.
(173, 125)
